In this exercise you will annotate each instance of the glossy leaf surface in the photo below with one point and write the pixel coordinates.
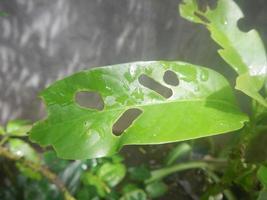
(201, 105)
(243, 51)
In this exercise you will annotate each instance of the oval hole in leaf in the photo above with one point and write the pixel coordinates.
(126, 120)
(155, 86)
(171, 78)
(244, 25)
(204, 4)
(92, 100)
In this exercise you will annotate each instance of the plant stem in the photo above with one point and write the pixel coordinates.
(161, 173)
(53, 178)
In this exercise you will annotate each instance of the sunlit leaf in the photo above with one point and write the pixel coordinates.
(18, 127)
(23, 149)
(202, 104)
(243, 51)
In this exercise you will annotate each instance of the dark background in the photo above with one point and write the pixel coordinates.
(44, 40)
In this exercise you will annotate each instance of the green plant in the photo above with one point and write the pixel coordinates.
(166, 101)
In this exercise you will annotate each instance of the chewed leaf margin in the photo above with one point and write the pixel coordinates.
(244, 52)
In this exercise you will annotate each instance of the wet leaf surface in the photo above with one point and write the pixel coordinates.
(201, 105)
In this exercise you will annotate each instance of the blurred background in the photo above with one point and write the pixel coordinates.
(42, 41)
(45, 40)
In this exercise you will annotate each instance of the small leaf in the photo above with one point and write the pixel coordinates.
(2, 130)
(243, 51)
(262, 175)
(177, 152)
(156, 189)
(135, 195)
(139, 173)
(129, 187)
(201, 105)
(93, 180)
(28, 172)
(112, 174)
(18, 127)
(23, 149)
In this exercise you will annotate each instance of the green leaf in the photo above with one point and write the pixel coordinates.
(243, 51)
(2, 130)
(201, 105)
(262, 175)
(177, 152)
(135, 195)
(263, 194)
(139, 173)
(28, 172)
(18, 127)
(112, 174)
(129, 187)
(156, 189)
(93, 180)
(23, 149)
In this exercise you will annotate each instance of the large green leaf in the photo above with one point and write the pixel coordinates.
(243, 51)
(201, 105)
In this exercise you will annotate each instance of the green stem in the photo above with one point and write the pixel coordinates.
(39, 168)
(161, 173)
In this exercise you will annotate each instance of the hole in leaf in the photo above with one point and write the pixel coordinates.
(92, 100)
(204, 4)
(244, 25)
(202, 17)
(155, 86)
(171, 78)
(125, 120)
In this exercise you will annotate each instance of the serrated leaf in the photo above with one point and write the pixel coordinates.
(243, 51)
(201, 105)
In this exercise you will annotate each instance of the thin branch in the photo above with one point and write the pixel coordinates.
(53, 178)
